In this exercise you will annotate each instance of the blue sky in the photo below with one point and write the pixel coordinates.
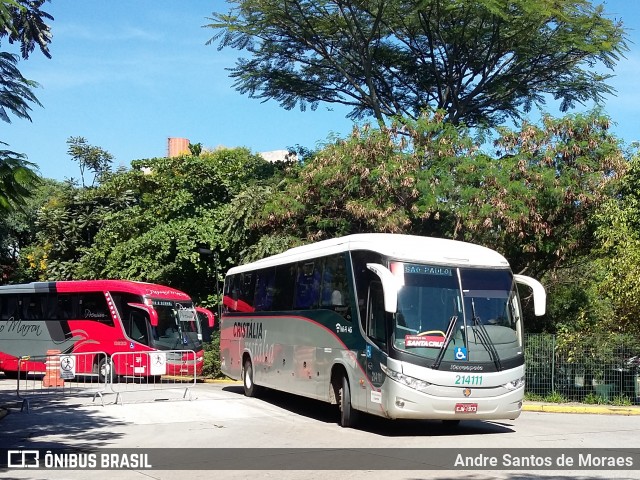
(128, 74)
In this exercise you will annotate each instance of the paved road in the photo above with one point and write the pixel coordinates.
(219, 416)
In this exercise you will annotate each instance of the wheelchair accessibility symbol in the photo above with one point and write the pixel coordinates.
(460, 353)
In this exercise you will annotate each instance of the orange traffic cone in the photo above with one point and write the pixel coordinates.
(52, 375)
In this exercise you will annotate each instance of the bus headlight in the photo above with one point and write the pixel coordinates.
(515, 384)
(410, 382)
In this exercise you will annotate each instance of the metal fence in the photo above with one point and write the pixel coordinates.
(57, 375)
(134, 372)
(139, 375)
(587, 368)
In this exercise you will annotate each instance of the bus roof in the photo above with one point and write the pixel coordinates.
(408, 248)
(74, 286)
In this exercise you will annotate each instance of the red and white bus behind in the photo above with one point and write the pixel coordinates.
(110, 316)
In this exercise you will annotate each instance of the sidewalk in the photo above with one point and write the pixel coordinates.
(580, 408)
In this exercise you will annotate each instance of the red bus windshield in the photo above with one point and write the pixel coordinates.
(178, 326)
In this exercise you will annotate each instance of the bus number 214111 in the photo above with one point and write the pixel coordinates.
(469, 380)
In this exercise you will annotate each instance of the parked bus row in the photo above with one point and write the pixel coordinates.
(393, 325)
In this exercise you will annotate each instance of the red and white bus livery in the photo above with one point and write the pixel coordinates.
(109, 316)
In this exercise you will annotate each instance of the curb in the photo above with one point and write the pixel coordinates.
(593, 409)
(205, 380)
(221, 380)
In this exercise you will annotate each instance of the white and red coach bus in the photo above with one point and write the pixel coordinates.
(398, 326)
(109, 316)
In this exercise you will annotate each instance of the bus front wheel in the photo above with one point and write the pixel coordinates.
(348, 415)
(105, 371)
(250, 388)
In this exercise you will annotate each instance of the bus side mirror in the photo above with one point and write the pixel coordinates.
(539, 295)
(211, 318)
(153, 315)
(390, 284)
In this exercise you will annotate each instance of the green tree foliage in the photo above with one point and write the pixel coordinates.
(23, 22)
(480, 61)
(18, 233)
(69, 220)
(18, 178)
(149, 222)
(180, 207)
(16, 91)
(575, 303)
(531, 198)
(90, 158)
(67, 224)
(212, 363)
(618, 253)
(195, 149)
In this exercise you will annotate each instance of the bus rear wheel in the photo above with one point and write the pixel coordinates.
(250, 388)
(348, 415)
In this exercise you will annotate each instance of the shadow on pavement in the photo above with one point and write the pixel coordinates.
(326, 413)
(52, 422)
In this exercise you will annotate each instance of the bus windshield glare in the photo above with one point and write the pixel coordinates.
(479, 306)
(178, 326)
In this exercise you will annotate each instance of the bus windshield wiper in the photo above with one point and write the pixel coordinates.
(447, 340)
(482, 335)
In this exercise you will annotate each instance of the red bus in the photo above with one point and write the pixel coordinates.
(109, 316)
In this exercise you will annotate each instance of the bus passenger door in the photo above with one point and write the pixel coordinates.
(375, 353)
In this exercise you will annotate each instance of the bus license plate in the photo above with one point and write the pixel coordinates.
(466, 408)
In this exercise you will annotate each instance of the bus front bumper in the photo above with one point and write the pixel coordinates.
(451, 403)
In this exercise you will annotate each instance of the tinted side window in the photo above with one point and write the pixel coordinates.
(239, 291)
(307, 285)
(136, 326)
(265, 289)
(8, 307)
(284, 286)
(227, 295)
(121, 300)
(376, 326)
(65, 306)
(364, 277)
(93, 306)
(335, 289)
(33, 306)
(246, 290)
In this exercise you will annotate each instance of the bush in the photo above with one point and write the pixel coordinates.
(211, 367)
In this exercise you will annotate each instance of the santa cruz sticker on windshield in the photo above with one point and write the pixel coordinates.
(428, 341)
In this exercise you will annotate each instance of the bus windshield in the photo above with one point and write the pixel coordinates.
(178, 326)
(479, 306)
